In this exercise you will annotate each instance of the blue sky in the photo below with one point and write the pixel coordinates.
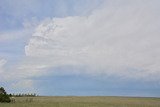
(80, 47)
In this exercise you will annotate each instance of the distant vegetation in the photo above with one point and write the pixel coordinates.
(24, 95)
(6, 98)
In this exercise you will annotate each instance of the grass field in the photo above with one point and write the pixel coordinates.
(84, 102)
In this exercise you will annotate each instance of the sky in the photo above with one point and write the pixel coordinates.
(80, 47)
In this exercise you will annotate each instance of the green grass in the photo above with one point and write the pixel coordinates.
(84, 102)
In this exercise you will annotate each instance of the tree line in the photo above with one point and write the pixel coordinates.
(4, 97)
(23, 95)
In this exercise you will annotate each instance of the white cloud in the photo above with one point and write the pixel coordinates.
(23, 33)
(2, 68)
(121, 39)
(2, 63)
(13, 35)
(23, 84)
(15, 79)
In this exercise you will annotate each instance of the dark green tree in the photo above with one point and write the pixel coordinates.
(3, 96)
(2, 90)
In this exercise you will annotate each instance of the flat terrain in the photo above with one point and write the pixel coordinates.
(70, 101)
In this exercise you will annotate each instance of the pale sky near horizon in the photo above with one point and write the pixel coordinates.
(80, 47)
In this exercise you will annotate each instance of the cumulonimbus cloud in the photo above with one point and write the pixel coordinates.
(119, 40)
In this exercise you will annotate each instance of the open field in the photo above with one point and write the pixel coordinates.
(70, 101)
